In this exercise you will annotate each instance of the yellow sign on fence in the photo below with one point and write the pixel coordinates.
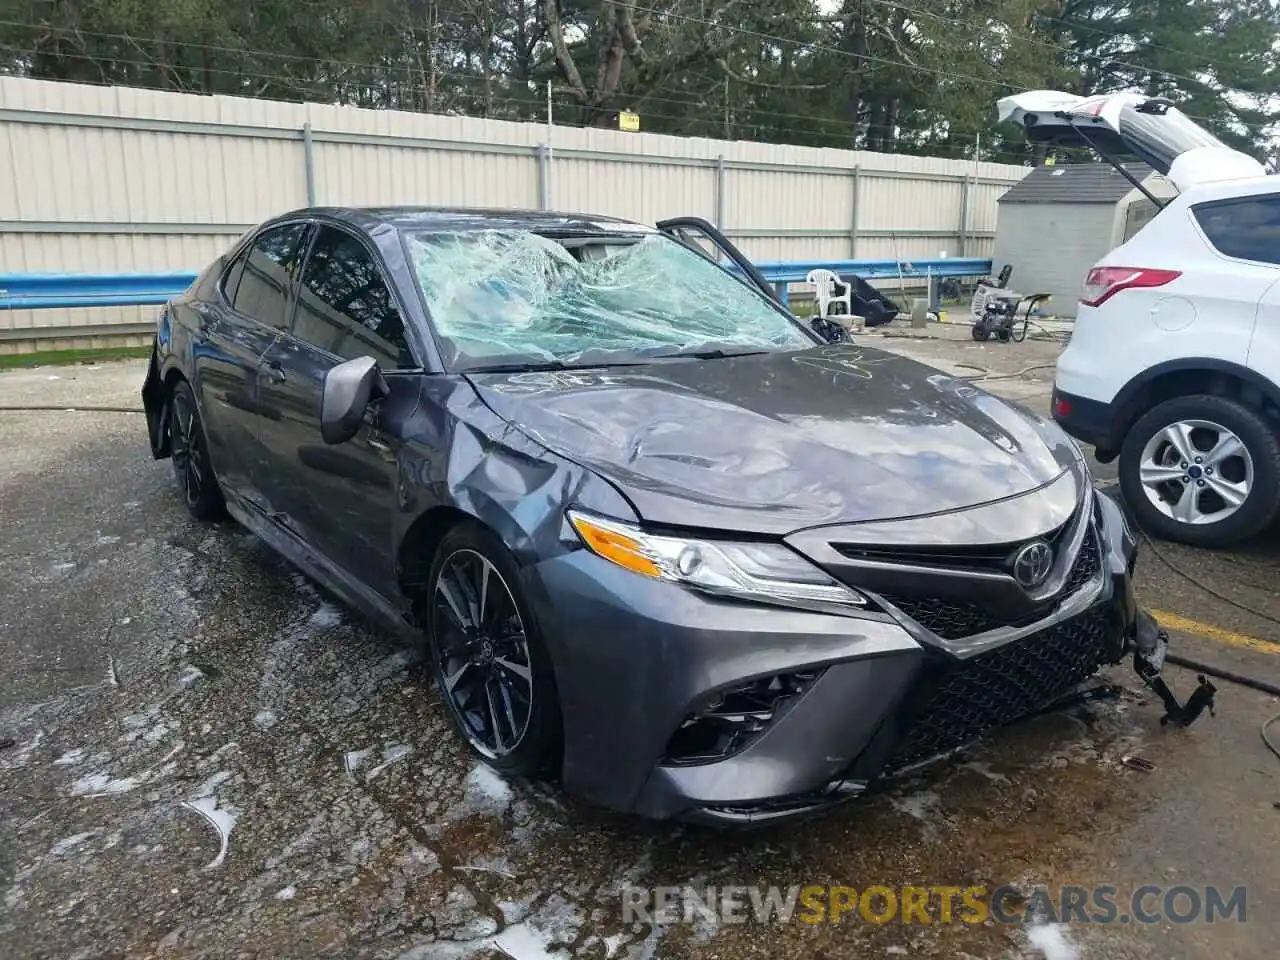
(628, 121)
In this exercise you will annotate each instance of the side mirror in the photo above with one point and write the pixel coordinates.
(348, 388)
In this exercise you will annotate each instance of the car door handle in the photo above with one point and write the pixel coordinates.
(273, 372)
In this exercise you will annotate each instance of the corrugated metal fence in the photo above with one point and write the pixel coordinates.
(105, 180)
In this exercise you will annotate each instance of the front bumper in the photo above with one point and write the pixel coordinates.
(861, 698)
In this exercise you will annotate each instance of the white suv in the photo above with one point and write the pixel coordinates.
(1174, 360)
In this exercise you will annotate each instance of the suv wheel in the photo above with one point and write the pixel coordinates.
(1202, 470)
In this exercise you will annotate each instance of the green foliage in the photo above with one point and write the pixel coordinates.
(910, 76)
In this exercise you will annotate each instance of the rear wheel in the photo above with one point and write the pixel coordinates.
(189, 451)
(1201, 470)
(488, 655)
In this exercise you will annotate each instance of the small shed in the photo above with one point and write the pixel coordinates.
(1059, 220)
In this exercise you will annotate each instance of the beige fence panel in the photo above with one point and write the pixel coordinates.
(117, 180)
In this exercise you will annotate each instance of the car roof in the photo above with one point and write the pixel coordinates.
(474, 218)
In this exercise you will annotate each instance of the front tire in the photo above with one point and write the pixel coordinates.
(488, 655)
(1201, 470)
(189, 451)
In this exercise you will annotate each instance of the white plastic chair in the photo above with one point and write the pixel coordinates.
(825, 284)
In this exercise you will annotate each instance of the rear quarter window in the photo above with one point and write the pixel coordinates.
(1247, 227)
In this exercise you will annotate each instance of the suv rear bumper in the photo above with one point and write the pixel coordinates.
(1089, 421)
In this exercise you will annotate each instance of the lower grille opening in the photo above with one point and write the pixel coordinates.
(953, 619)
(957, 702)
(735, 717)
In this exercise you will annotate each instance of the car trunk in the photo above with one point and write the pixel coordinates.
(1121, 125)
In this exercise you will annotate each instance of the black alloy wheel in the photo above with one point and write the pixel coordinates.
(189, 451)
(488, 656)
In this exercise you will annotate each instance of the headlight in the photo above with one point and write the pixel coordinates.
(763, 572)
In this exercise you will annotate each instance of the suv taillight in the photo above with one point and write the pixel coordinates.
(1103, 283)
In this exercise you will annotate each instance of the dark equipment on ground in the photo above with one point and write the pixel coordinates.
(1149, 647)
(868, 302)
(1000, 314)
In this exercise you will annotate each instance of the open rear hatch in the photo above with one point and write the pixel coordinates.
(1119, 125)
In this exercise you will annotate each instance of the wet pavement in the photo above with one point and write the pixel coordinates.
(210, 758)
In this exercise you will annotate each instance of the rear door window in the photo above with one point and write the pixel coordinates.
(345, 305)
(264, 285)
(1244, 227)
(231, 279)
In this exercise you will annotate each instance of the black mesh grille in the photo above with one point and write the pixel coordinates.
(1086, 566)
(958, 701)
(947, 618)
(953, 619)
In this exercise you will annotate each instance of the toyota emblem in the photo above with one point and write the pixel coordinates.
(1032, 563)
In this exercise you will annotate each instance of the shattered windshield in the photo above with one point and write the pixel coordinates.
(506, 296)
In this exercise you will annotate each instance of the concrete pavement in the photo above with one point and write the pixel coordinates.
(212, 759)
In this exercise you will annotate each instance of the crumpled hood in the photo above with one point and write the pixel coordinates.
(776, 442)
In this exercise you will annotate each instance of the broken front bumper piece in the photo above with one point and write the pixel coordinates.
(1150, 644)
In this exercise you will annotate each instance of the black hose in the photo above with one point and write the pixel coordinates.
(1220, 673)
(1196, 583)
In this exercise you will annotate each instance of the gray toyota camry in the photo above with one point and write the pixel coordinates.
(659, 537)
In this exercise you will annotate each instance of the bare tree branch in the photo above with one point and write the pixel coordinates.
(765, 84)
(564, 59)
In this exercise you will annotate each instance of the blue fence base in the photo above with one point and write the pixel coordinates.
(42, 291)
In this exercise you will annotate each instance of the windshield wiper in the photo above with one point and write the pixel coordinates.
(522, 366)
(542, 366)
(627, 358)
(710, 353)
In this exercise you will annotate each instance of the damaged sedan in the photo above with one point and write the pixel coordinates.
(659, 537)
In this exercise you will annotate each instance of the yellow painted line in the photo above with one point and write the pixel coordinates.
(1171, 621)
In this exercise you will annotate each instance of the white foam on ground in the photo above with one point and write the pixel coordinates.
(612, 943)
(222, 819)
(70, 757)
(389, 756)
(352, 759)
(522, 941)
(326, 615)
(70, 843)
(218, 779)
(919, 805)
(100, 785)
(487, 789)
(288, 893)
(985, 770)
(1051, 940)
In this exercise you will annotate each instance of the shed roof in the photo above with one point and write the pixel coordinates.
(1075, 183)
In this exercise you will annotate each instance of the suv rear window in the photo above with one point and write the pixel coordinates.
(1244, 227)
